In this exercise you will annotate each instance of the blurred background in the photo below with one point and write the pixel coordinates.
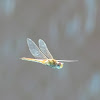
(70, 29)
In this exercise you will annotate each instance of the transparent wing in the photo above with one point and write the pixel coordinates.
(35, 51)
(44, 49)
(67, 60)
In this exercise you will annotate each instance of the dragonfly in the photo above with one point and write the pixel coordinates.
(43, 56)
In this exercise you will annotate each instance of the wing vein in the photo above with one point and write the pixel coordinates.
(44, 49)
(35, 51)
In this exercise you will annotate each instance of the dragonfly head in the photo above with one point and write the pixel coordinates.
(59, 65)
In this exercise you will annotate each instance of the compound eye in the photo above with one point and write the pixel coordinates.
(59, 64)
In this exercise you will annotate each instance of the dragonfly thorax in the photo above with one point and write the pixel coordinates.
(53, 63)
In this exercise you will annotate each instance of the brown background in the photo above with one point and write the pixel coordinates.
(71, 30)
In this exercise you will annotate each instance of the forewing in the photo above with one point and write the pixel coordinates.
(35, 51)
(67, 60)
(44, 49)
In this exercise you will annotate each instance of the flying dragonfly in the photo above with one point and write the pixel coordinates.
(43, 56)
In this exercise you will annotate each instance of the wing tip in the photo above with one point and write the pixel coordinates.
(40, 40)
(28, 39)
